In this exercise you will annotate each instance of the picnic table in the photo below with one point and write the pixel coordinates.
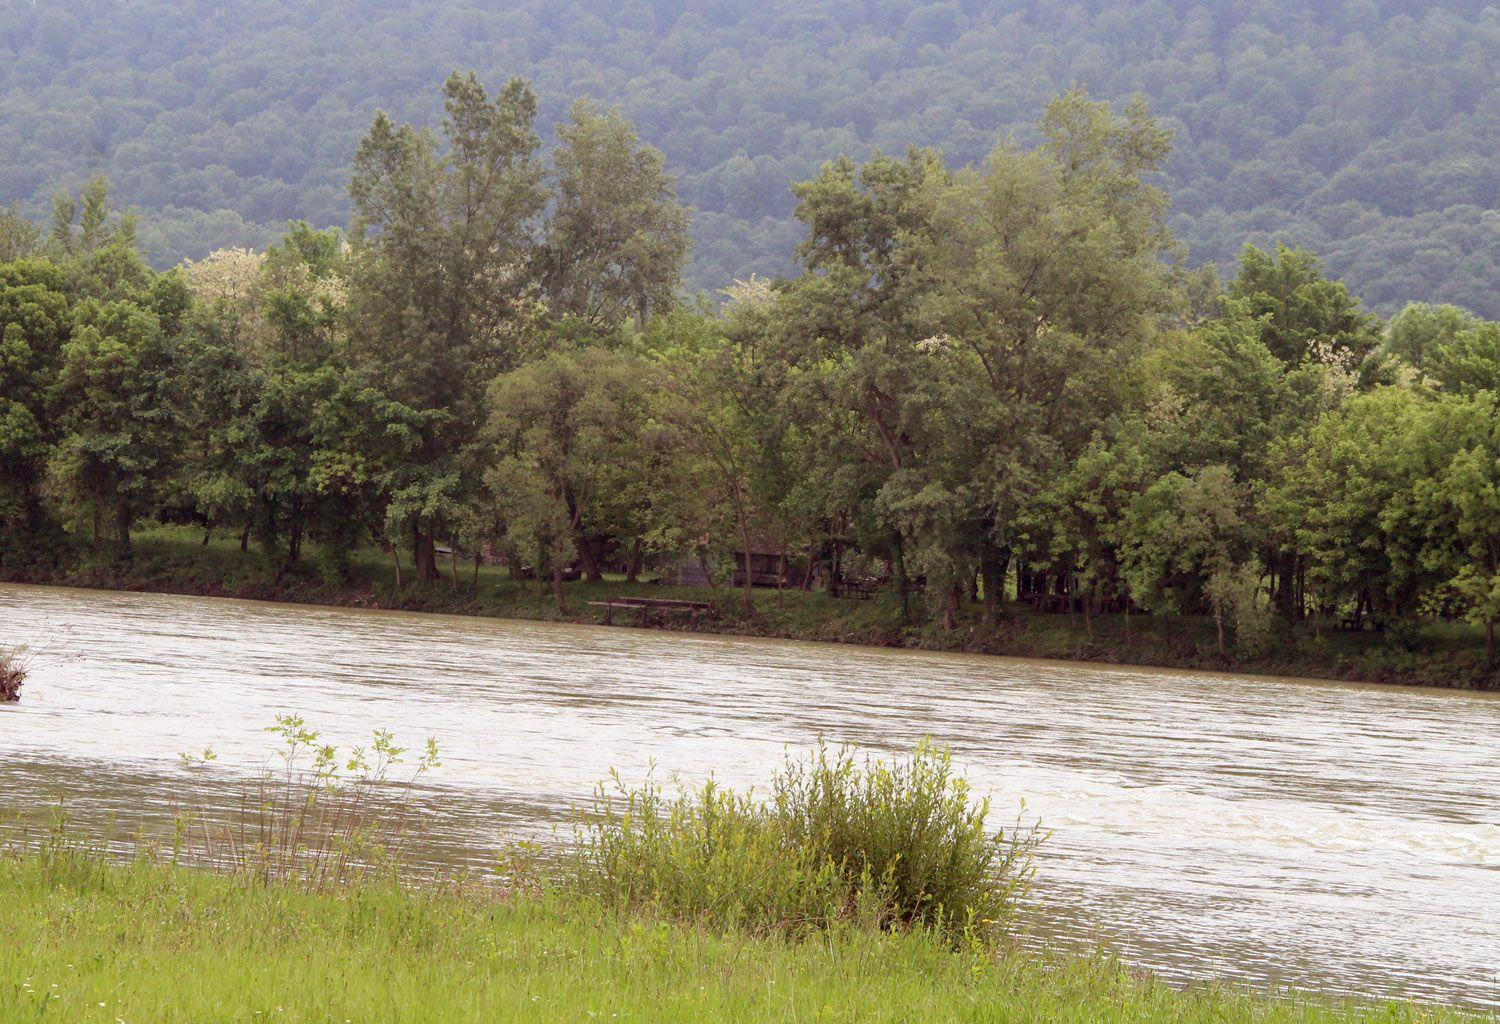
(655, 609)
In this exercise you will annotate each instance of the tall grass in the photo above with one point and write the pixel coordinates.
(322, 817)
(151, 944)
(841, 839)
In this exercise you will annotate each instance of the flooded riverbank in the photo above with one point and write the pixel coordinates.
(1276, 832)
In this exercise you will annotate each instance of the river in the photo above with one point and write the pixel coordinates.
(1279, 833)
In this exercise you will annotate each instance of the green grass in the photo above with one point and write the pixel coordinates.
(172, 559)
(152, 944)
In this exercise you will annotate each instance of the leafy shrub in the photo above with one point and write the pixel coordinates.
(322, 818)
(842, 839)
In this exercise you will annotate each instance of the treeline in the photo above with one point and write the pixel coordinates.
(980, 382)
(1366, 130)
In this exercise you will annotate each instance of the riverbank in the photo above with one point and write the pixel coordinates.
(170, 560)
(90, 943)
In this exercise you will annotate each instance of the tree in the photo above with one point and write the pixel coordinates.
(567, 432)
(1421, 329)
(117, 416)
(83, 226)
(1185, 544)
(1302, 309)
(442, 239)
(1469, 362)
(1042, 273)
(19, 238)
(35, 325)
(1469, 491)
(617, 238)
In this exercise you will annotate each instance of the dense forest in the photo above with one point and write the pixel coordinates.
(980, 383)
(1366, 130)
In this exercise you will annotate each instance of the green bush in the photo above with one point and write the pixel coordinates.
(896, 845)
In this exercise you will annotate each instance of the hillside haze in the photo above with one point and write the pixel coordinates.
(1366, 131)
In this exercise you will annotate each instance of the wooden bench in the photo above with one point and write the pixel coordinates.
(656, 609)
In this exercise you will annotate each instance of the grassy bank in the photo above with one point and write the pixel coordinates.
(151, 944)
(172, 560)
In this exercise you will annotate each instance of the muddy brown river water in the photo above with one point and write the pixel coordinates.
(1273, 832)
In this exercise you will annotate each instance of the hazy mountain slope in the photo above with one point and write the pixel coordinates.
(1366, 130)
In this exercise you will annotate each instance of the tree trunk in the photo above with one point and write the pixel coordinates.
(902, 582)
(245, 538)
(476, 570)
(749, 588)
(294, 540)
(633, 573)
(587, 556)
(396, 557)
(207, 535)
(557, 593)
(991, 583)
(453, 557)
(423, 553)
(1219, 626)
(950, 606)
(122, 526)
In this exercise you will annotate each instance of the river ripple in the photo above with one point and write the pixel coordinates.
(1282, 833)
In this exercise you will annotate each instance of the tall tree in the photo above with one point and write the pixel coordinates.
(567, 430)
(442, 238)
(19, 237)
(35, 324)
(616, 238)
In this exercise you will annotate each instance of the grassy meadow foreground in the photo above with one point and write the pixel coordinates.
(151, 944)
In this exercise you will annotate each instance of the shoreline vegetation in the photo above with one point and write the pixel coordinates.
(858, 889)
(174, 560)
(983, 382)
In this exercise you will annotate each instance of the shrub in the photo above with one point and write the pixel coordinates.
(12, 674)
(322, 818)
(841, 839)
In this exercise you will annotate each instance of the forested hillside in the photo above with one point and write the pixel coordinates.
(1364, 130)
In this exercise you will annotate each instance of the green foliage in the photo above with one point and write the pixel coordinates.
(896, 845)
(617, 239)
(1304, 313)
(1359, 130)
(980, 378)
(567, 432)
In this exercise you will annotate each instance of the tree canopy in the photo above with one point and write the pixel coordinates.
(1363, 130)
(979, 384)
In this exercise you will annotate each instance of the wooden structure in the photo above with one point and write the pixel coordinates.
(654, 610)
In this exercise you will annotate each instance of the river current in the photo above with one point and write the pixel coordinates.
(1273, 832)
